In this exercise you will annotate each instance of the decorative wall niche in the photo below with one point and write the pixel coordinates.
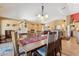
(7, 25)
(14, 25)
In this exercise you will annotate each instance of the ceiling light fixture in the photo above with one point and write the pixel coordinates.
(42, 15)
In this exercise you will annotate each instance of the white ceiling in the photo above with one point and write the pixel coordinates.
(29, 11)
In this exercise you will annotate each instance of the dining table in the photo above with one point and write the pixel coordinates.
(32, 44)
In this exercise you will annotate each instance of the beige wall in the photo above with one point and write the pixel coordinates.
(77, 25)
(0, 26)
(35, 26)
(30, 25)
(55, 23)
(10, 27)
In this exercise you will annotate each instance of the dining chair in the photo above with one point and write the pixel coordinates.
(53, 45)
(15, 44)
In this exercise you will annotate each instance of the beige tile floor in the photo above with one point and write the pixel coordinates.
(70, 47)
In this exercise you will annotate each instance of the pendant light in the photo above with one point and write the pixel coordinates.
(42, 15)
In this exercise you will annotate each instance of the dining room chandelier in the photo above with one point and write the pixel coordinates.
(42, 15)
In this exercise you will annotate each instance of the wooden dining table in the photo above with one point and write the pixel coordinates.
(28, 44)
(33, 46)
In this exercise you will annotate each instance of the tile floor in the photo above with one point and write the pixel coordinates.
(70, 47)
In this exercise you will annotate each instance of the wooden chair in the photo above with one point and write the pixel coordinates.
(15, 37)
(15, 44)
(53, 45)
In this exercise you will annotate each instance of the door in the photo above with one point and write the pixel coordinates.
(8, 33)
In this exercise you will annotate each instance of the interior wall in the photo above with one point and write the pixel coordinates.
(19, 26)
(0, 26)
(76, 28)
(34, 26)
(57, 23)
(8, 25)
